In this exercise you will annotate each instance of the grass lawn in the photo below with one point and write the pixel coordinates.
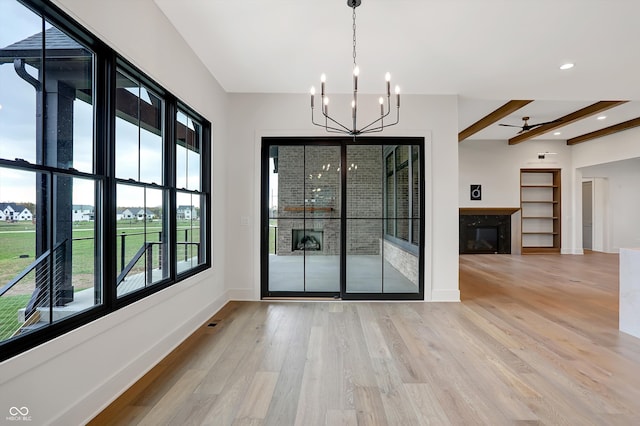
(9, 306)
(17, 251)
(18, 242)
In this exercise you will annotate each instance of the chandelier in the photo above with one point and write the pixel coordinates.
(334, 126)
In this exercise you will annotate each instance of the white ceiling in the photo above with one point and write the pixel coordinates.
(485, 51)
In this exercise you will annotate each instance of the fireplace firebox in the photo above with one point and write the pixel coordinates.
(306, 239)
(485, 234)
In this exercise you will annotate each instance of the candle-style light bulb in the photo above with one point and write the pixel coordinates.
(387, 77)
(356, 73)
(381, 100)
(326, 105)
(398, 96)
(313, 94)
(323, 79)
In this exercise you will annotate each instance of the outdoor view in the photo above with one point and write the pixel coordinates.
(52, 186)
(352, 213)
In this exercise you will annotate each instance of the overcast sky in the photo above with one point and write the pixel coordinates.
(18, 133)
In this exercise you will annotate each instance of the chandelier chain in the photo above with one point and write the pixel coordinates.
(354, 36)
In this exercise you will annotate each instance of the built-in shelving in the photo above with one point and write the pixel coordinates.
(540, 207)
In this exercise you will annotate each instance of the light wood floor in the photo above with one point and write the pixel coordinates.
(534, 341)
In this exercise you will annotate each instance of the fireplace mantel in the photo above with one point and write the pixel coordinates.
(499, 211)
(309, 209)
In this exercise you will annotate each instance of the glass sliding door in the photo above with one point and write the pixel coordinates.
(383, 213)
(322, 218)
(343, 218)
(304, 229)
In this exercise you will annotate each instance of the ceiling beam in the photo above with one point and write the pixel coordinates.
(635, 122)
(566, 120)
(491, 118)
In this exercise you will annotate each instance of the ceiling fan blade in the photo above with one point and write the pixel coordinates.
(509, 125)
(546, 122)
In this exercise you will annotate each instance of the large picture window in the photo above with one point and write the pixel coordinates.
(104, 179)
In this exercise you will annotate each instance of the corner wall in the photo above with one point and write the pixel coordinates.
(70, 379)
(621, 203)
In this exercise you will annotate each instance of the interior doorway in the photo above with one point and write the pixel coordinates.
(587, 215)
(342, 219)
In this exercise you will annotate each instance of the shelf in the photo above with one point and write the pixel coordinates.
(540, 203)
(540, 250)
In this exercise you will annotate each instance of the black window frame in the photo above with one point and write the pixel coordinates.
(106, 63)
(392, 235)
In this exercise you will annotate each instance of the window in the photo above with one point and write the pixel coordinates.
(48, 261)
(189, 198)
(141, 235)
(89, 219)
(402, 195)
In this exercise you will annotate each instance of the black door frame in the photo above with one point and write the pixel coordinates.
(343, 142)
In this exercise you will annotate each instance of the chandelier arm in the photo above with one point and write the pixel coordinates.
(380, 119)
(346, 129)
(375, 130)
(325, 126)
(380, 128)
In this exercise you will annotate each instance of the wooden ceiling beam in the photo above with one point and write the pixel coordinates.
(566, 120)
(626, 125)
(491, 118)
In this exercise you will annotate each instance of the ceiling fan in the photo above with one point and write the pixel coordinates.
(526, 126)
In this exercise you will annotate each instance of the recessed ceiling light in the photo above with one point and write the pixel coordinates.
(557, 133)
(566, 66)
(602, 117)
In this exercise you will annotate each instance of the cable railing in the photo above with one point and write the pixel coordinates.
(21, 298)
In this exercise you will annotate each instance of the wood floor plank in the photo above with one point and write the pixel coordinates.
(534, 341)
(174, 398)
(258, 397)
(425, 404)
(341, 418)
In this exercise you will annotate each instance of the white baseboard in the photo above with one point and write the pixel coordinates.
(445, 296)
(241, 294)
(572, 251)
(115, 385)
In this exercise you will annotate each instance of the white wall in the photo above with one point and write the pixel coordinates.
(68, 380)
(496, 166)
(253, 116)
(622, 202)
(610, 149)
